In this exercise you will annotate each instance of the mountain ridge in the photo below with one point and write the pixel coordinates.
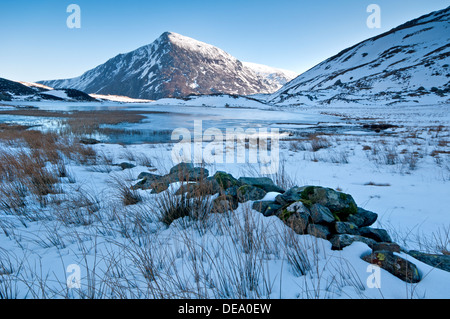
(408, 63)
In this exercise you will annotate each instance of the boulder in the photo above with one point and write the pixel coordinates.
(356, 220)
(320, 231)
(298, 207)
(321, 215)
(298, 222)
(247, 192)
(291, 195)
(377, 234)
(264, 183)
(181, 167)
(434, 260)
(363, 217)
(272, 210)
(392, 247)
(262, 205)
(186, 172)
(345, 228)
(267, 208)
(295, 216)
(126, 165)
(226, 180)
(341, 241)
(148, 180)
(396, 265)
(198, 173)
(340, 204)
(232, 191)
(146, 175)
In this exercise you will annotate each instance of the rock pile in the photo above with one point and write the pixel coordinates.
(315, 210)
(183, 172)
(325, 213)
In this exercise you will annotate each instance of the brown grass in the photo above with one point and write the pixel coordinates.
(128, 195)
(85, 122)
(193, 202)
(34, 163)
(46, 145)
(312, 142)
(30, 172)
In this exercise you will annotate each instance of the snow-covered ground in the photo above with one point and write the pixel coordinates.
(118, 98)
(402, 173)
(222, 100)
(57, 93)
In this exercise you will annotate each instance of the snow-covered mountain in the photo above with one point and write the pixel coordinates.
(176, 66)
(409, 63)
(275, 77)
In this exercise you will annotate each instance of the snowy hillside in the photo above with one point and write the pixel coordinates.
(216, 100)
(70, 95)
(175, 66)
(409, 63)
(10, 89)
(27, 91)
(276, 77)
(118, 98)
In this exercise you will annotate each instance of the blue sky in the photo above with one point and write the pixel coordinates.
(36, 43)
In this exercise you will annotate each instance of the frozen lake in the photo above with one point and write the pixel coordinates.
(161, 120)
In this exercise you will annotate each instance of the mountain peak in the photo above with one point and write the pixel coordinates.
(176, 38)
(175, 65)
(190, 44)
